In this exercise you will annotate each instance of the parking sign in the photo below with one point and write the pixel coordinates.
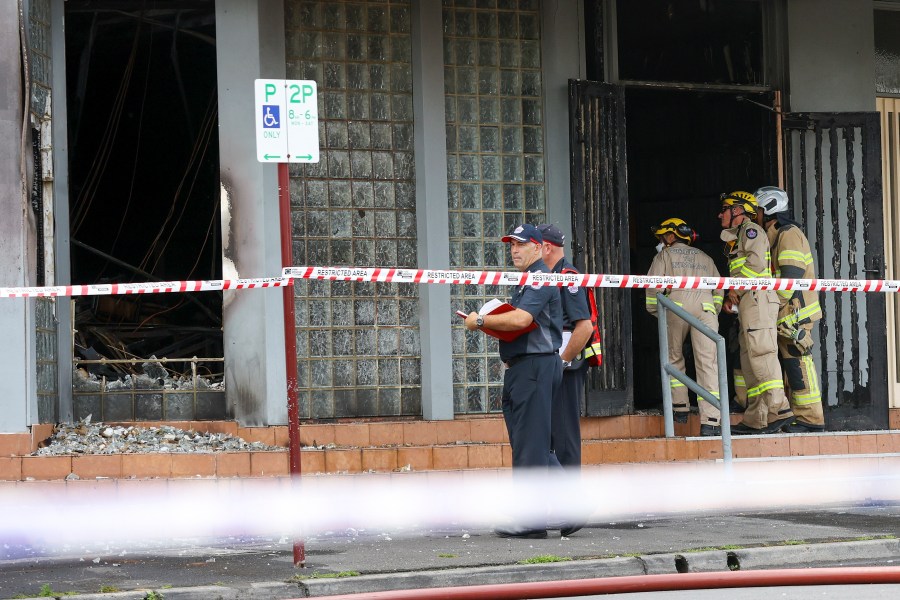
(287, 120)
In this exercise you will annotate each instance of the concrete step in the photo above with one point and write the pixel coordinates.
(389, 446)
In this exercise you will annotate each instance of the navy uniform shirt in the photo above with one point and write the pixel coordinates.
(574, 299)
(544, 305)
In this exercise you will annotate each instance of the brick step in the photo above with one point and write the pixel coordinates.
(425, 456)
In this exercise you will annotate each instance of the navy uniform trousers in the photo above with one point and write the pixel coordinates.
(527, 402)
(566, 424)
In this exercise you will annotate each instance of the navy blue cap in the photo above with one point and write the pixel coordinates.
(552, 234)
(524, 233)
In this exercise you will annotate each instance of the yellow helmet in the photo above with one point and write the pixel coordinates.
(676, 226)
(745, 200)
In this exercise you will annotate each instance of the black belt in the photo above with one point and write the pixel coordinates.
(521, 357)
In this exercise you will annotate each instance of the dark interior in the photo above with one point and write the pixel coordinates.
(144, 174)
(685, 148)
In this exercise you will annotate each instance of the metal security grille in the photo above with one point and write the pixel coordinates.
(495, 163)
(357, 343)
(833, 163)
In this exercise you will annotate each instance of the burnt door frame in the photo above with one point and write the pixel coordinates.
(600, 233)
(833, 176)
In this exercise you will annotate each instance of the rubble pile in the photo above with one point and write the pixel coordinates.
(85, 437)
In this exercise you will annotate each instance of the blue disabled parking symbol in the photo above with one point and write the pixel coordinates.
(270, 116)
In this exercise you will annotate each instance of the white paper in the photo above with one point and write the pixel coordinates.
(490, 306)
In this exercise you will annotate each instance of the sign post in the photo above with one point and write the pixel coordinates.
(287, 130)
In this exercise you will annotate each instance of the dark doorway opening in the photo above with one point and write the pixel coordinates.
(144, 179)
(685, 147)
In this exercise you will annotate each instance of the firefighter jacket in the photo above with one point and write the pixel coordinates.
(682, 260)
(747, 251)
(792, 259)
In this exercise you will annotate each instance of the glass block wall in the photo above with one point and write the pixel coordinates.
(495, 163)
(357, 343)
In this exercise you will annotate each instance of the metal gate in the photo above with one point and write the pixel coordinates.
(833, 168)
(600, 232)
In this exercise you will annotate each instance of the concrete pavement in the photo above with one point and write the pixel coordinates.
(350, 561)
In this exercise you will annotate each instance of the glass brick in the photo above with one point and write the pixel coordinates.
(385, 224)
(340, 193)
(535, 198)
(382, 165)
(389, 401)
(333, 16)
(471, 225)
(513, 200)
(364, 315)
(470, 195)
(401, 49)
(380, 107)
(321, 404)
(356, 17)
(472, 252)
(342, 316)
(449, 80)
(529, 26)
(319, 315)
(487, 24)
(345, 403)
(386, 253)
(342, 342)
(320, 371)
(530, 55)
(341, 224)
(513, 168)
(459, 400)
(335, 104)
(333, 45)
(363, 251)
(507, 25)
(466, 51)
(495, 254)
(532, 140)
(511, 111)
(411, 401)
(510, 84)
(404, 137)
(532, 113)
(310, 44)
(490, 168)
(358, 76)
(336, 136)
(319, 341)
(317, 252)
(489, 111)
(357, 105)
(356, 47)
(512, 141)
(379, 77)
(468, 138)
(493, 226)
(450, 117)
(360, 164)
(402, 107)
(384, 194)
(459, 369)
(339, 164)
(378, 19)
(359, 135)
(468, 167)
(367, 402)
(363, 197)
(404, 165)
(388, 342)
(378, 48)
(401, 19)
(491, 198)
(366, 372)
(388, 371)
(381, 136)
(466, 81)
(406, 224)
(476, 399)
(534, 169)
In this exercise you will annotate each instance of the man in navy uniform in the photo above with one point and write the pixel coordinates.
(577, 329)
(533, 367)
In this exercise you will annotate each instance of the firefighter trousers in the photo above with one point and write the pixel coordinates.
(802, 380)
(766, 400)
(705, 362)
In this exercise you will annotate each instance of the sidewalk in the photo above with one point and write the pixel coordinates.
(384, 560)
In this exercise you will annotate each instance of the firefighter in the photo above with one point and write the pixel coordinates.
(798, 312)
(747, 251)
(677, 257)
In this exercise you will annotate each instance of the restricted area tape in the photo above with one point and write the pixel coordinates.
(385, 275)
(155, 287)
(388, 275)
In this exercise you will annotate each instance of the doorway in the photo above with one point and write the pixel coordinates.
(685, 147)
(144, 173)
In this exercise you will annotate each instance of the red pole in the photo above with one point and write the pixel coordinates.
(290, 340)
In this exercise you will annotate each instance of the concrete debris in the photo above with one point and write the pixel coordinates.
(85, 437)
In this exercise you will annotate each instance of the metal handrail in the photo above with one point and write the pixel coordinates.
(666, 369)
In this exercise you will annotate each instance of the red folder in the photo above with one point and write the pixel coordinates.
(498, 307)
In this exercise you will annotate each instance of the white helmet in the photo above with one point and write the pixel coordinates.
(772, 199)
